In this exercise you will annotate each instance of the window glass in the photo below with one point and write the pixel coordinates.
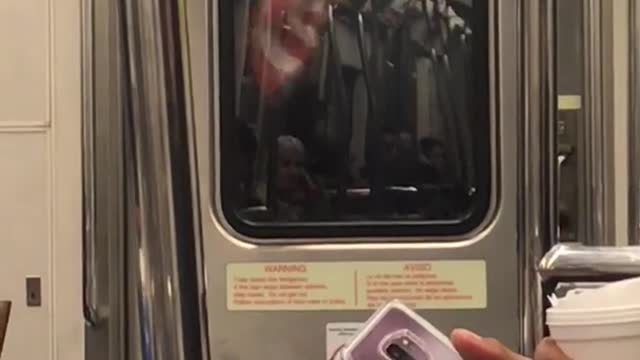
(344, 118)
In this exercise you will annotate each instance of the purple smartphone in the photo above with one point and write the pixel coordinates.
(395, 332)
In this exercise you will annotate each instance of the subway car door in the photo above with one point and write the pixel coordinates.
(350, 153)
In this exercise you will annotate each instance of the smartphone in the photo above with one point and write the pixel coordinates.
(396, 332)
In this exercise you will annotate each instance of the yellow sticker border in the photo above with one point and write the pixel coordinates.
(569, 102)
(363, 285)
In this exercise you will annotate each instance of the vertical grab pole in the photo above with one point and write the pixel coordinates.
(538, 160)
(346, 123)
(593, 220)
(89, 275)
(373, 140)
(366, 71)
(550, 124)
(159, 114)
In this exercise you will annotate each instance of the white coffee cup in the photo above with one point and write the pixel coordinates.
(596, 340)
(599, 323)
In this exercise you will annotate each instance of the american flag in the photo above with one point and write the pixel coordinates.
(284, 37)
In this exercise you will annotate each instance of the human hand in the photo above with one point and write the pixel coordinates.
(473, 347)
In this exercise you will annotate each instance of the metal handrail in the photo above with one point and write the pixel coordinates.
(159, 111)
(595, 227)
(538, 158)
(89, 274)
(577, 261)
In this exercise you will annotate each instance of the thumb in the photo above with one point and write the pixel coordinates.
(473, 347)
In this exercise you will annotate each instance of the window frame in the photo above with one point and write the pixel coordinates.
(486, 158)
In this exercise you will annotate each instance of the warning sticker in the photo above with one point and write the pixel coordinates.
(569, 102)
(338, 335)
(356, 285)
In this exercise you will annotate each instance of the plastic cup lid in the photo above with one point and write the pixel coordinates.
(618, 294)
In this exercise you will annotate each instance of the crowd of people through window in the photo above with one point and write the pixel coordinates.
(354, 110)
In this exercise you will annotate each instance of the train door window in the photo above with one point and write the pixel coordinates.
(354, 118)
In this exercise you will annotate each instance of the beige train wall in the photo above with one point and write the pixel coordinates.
(40, 176)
